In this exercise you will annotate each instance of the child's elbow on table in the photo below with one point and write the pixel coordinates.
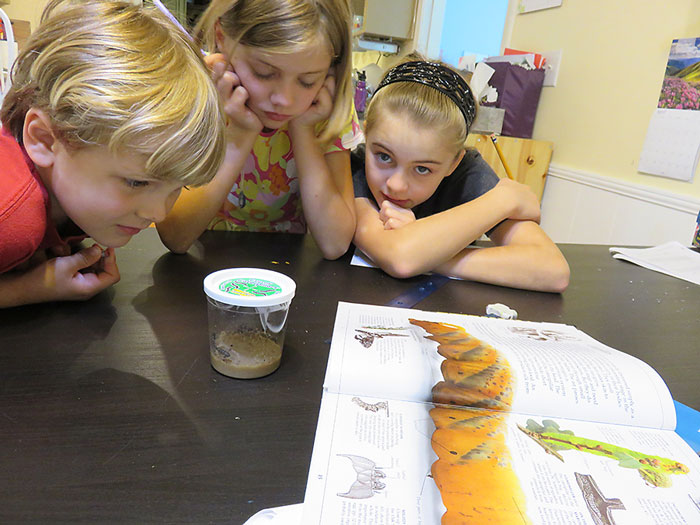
(561, 275)
(555, 274)
(401, 267)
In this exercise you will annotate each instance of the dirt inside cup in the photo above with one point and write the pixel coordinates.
(247, 311)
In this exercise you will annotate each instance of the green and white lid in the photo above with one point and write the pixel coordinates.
(249, 287)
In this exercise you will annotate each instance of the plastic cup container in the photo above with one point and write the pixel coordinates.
(247, 310)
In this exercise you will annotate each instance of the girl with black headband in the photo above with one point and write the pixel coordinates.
(422, 198)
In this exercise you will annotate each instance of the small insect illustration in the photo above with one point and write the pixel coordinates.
(372, 407)
(367, 338)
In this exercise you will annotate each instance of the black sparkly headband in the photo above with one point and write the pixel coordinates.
(437, 77)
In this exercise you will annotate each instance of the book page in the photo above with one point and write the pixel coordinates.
(542, 368)
(371, 464)
(581, 472)
(381, 461)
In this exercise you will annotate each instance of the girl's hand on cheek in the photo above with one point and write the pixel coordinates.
(395, 217)
(321, 107)
(213, 59)
(242, 122)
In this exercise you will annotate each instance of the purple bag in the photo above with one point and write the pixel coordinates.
(518, 93)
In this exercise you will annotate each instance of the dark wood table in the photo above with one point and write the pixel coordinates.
(111, 412)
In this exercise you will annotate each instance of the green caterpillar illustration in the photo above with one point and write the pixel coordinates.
(654, 470)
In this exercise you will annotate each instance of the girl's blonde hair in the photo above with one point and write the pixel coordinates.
(108, 73)
(287, 26)
(424, 105)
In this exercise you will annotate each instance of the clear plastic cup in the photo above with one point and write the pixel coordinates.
(247, 310)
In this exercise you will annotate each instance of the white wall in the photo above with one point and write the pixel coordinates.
(29, 10)
(614, 56)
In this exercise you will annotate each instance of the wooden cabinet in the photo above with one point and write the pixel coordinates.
(178, 8)
(187, 12)
(386, 19)
(527, 159)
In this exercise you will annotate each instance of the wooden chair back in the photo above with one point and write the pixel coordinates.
(527, 159)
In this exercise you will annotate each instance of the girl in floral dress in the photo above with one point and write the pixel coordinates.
(282, 69)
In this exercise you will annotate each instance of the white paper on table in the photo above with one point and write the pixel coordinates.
(672, 144)
(360, 258)
(671, 258)
(287, 515)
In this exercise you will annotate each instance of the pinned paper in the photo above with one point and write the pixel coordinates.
(672, 143)
(525, 6)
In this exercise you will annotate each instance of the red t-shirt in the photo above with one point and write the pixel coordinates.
(25, 224)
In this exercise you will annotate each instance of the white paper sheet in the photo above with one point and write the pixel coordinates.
(360, 258)
(672, 144)
(671, 258)
(287, 515)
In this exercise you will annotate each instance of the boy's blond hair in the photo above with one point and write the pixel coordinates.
(108, 73)
(424, 105)
(287, 26)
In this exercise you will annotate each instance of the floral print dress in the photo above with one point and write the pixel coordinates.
(266, 197)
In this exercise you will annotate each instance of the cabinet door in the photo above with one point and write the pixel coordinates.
(177, 7)
(389, 18)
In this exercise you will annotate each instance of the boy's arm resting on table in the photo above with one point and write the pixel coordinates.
(524, 257)
(420, 246)
(75, 277)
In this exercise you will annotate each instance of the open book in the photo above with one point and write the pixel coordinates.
(430, 418)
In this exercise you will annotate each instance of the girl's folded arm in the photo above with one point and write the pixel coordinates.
(424, 244)
(524, 257)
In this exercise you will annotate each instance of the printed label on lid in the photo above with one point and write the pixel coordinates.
(250, 287)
